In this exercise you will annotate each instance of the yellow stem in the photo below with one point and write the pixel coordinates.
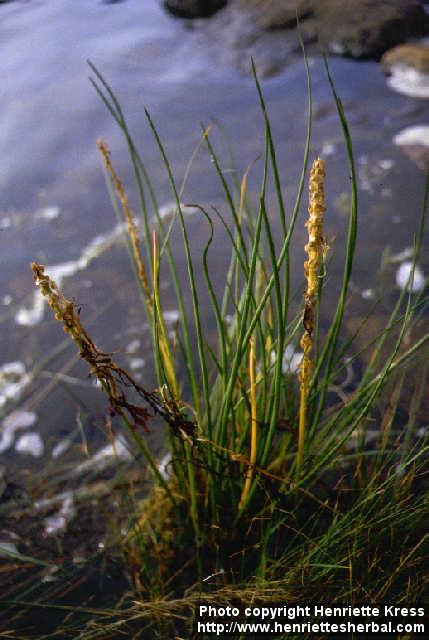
(253, 417)
(164, 345)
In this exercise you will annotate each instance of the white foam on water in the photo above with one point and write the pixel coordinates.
(13, 422)
(13, 380)
(413, 136)
(386, 164)
(168, 210)
(30, 316)
(12, 369)
(7, 547)
(328, 149)
(48, 213)
(370, 173)
(30, 444)
(33, 315)
(290, 361)
(405, 254)
(133, 346)
(370, 435)
(137, 363)
(171, 317)
(404, 273)
(19, 419)
(45, 503)
(163, 466)
(337, 47)
(59, 521)
(117, 450)
(409, 81)
(61, 447)
(50, 574)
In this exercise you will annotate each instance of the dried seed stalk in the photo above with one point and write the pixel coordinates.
(315, 249)
(132, 229)
(112, 378)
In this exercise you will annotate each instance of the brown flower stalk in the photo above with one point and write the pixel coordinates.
(315, 249)
(113, 379)
(132, 229)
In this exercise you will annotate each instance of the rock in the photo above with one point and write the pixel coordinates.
(272, 14)
(356, 28)
(407, 66)
(266, 29)
(366, 29)
(407, 55)
(240, 36)
(194, 8)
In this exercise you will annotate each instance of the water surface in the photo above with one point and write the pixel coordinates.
(55, 207)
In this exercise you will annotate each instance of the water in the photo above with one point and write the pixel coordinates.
(55, 207)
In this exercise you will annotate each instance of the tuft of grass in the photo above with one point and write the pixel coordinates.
(273, 491)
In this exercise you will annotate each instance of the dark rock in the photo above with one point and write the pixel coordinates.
(356, 28)
(266, 29)
(366, 29)
(194, 8)
(274, 14)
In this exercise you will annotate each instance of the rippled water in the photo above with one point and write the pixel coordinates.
(55, 208)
